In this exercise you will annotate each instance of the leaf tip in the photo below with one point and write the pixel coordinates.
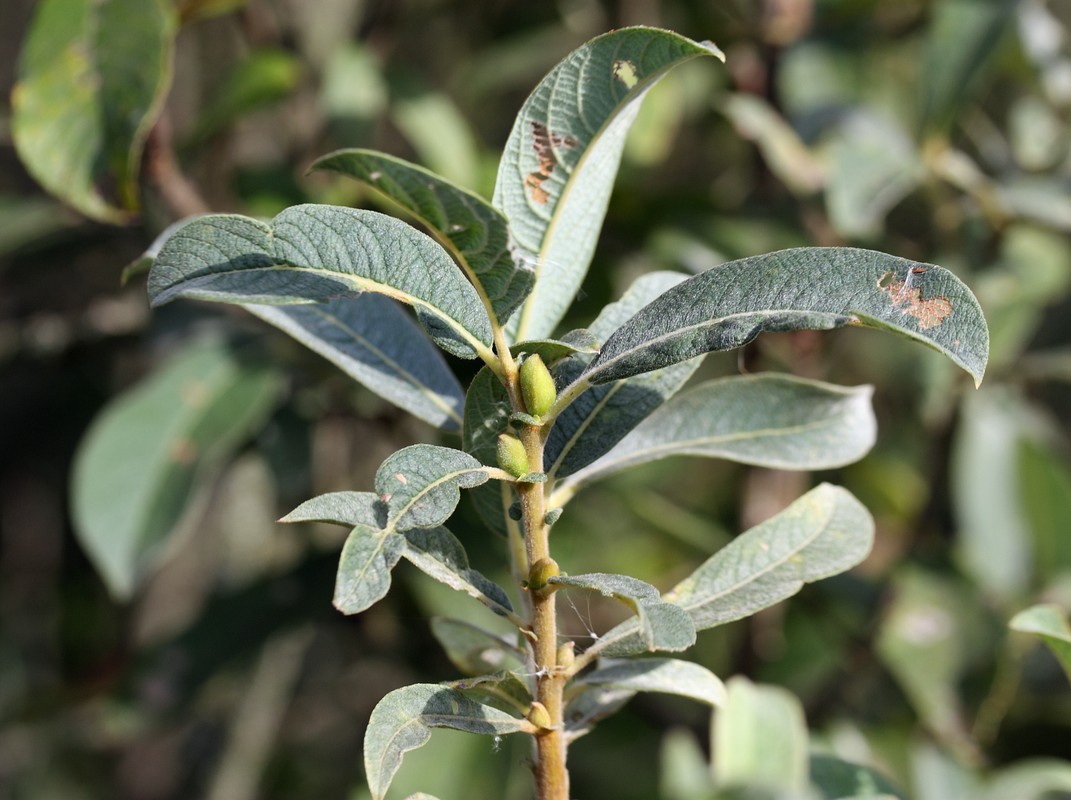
(713, 49)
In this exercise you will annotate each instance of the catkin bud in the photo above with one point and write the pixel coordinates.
(537, 386)
(541, 572)
(511, 455)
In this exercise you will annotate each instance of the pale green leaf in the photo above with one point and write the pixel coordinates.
(599, 418)
(661, 625)
(472, 229)
(403, 721)
(472, 649)
(93, 75)
(364, 568)
(1030, 779)
(552, 350)
(683, 772)
(1050, 623)
(784, 152)
(261, 78)
(810, 288)
(139, 465)
(438, 554)
(421, 484)
(315, 253)
(561, 158)
(505, 690)
(823, 533)
(760, 738)
(776, 421)
(664, 675)
(374, 342)
(441, 136)
(340, 508)
(585, 710)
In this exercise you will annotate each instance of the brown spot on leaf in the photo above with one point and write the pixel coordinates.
(906, 295)
(544, 142)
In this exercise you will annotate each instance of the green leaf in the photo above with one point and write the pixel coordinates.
(505, 690)
(552, 350)
(843, 780)
(561, 158)
(487, 412)
(823, 533)
(472, 649)
(472, 229)
(315, 253)
(1050, 623)
(438, 554)
(146, 454)
(421, 484)
(92, 79)
(776, 421)
(808, 288)
(664, 675)
(601, 416)
(661, 626)
(588, 708)
(760, 738)
(374, 342)
(341, 508)
(403, 720)
(441, 136)
(1030, 779)
(683, 770)
(962, 37)
(368, 556)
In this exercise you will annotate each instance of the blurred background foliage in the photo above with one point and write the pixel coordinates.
(937, 130)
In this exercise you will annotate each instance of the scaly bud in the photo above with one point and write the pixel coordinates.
(537, 386)
(511, 455)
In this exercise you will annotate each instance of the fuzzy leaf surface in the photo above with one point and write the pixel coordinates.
(377, 344)
(474, 230)
(559, 164)
(770, 420)
(661, 625)
(403, 721)
(315, 253)
(807, 288)
(473, 650)
(439, 554)
(93, 75)
(600, 417)
(340, 508)
(823, 533)
(140, 464)
(664, 675)
(421, 484)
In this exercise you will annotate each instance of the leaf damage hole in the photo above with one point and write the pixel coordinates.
(906, 295)
(544, 142)
(625, 71)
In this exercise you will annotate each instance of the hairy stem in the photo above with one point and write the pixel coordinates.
(551, 777)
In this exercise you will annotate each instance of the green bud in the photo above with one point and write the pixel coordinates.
(539, 716)
(511, 455)
(537, 386)
(541, 572)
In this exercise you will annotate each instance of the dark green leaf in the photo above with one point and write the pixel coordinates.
(561, 158)
(145, 455)
(374, 342)
(402, 721)
(421, 484)
(809, 288)
(315, 253)
(438, 553)
(92, 78)
(474, 231)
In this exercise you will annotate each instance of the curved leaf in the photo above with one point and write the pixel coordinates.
(1048, 622)
(92, 79)
(376, 343)
(843, 780)
(823, 533)
(141, 461)
(421, 484)
(363, 577)
(561, 158)
(600, 417)
(472, 649)
(662, 626)
(776, 421)
(402, 721)
(474, 230)
(438, 554)
(665, 675)
(315, 253)
(487, 411)
(808, 288)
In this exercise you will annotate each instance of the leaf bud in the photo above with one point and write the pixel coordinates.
(512, 457)
(537, 386)
(539, 716)
(541, 572)
(566, 654)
